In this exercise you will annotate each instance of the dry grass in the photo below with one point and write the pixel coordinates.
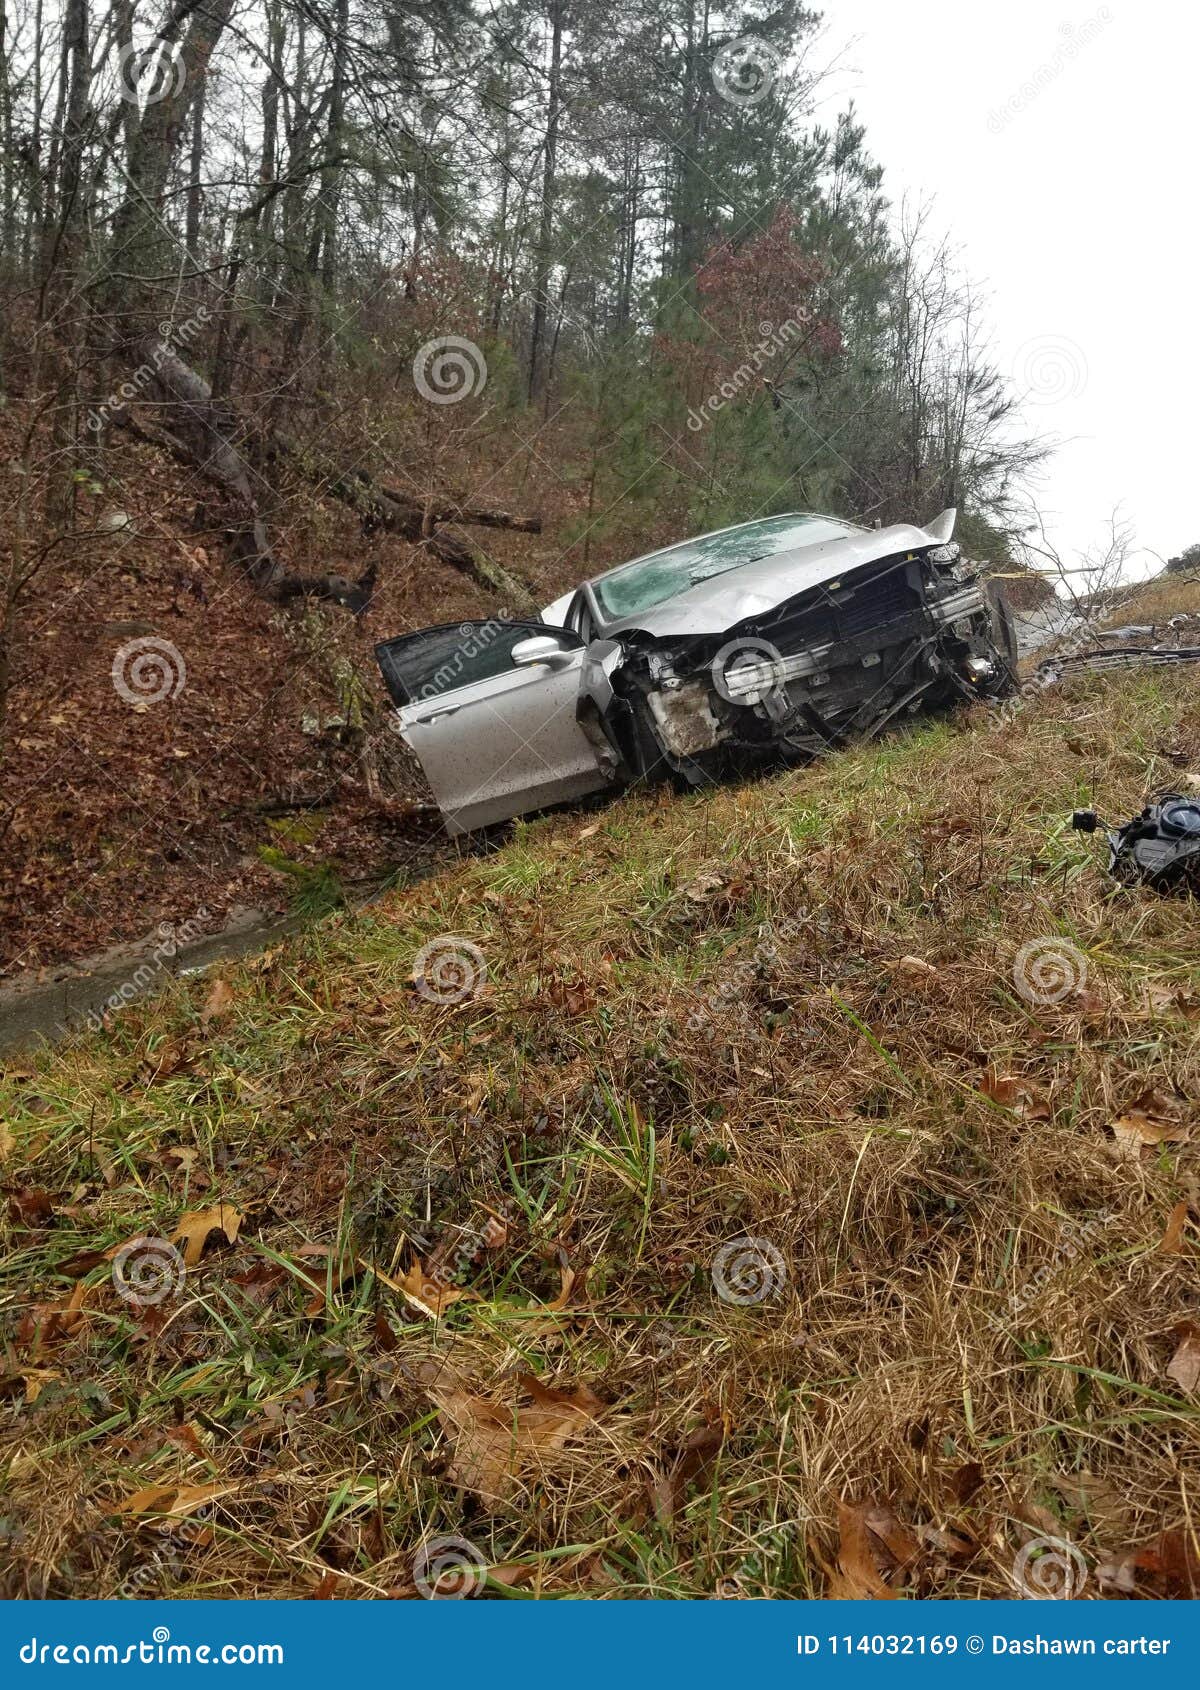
(703, 1021)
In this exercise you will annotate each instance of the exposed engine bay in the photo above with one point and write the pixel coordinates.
(837, 662)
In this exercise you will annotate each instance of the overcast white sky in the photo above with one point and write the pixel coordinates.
(1074, 204)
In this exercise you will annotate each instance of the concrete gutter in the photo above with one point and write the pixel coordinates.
(56, 1002)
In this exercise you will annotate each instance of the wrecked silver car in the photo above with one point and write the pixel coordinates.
(781, 638)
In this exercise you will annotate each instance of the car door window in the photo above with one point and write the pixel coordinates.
(441, 660)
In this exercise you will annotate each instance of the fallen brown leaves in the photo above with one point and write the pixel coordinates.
(689, 1463)
(1010, 1092)
(431, 1294)
(496, 1446)
(195, 1227)
(29, 1382)
(1172, 1238)
(51, 1323)
(175, 1500)
(425, 1290)
(1184, 1365)
(1168, 1567)
(218, 1003)
(1152, 1119)
(877, 1553)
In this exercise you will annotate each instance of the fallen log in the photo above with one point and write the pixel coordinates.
(203, 437)
(388, 507)
(480, 516)
(205, 432)
(483, 570)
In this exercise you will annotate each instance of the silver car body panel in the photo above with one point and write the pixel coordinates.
(546, 733)
(755, 588)
(511, 743)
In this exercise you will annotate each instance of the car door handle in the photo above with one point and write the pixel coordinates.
(445, 710)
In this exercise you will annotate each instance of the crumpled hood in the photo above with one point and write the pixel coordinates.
(710, 607)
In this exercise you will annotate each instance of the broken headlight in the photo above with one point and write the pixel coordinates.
(949, 563)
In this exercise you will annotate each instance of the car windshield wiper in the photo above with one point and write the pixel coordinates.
(695, 576)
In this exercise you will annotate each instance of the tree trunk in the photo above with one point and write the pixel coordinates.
(195, 193)
(549, 183)
(63, 275)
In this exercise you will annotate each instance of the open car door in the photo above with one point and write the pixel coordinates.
(491, 710)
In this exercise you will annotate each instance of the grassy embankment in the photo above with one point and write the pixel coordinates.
(785, 1012)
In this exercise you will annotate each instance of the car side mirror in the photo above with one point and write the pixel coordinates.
(540, 648)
